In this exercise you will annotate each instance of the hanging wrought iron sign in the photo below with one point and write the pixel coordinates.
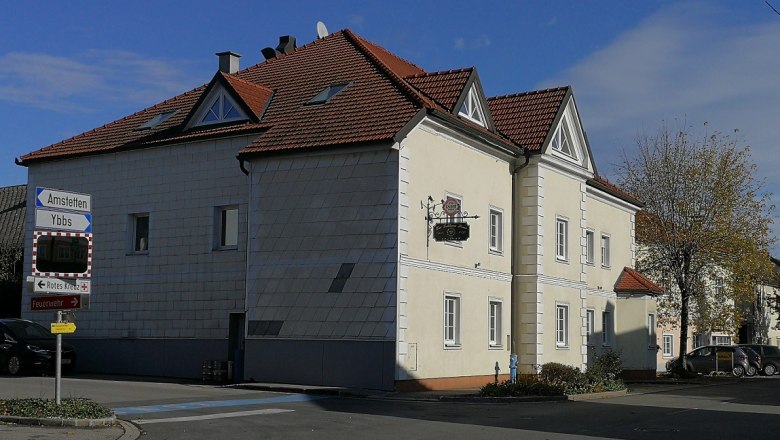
(451, 231)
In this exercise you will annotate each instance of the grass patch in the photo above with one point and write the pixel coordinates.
(71, 408)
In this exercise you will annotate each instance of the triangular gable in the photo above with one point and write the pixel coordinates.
(472, 104)
(228, 99)
(566, 138)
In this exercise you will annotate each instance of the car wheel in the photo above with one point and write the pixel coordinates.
(770, 370)
(14, 365)
(738, 371)
(751, 371)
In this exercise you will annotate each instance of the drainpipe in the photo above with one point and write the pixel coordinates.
(512, 258)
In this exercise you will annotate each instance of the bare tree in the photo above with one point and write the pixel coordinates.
(706, 221)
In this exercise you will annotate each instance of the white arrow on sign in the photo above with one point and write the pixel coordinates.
(57, 285)
(63, 221)
(53, 198)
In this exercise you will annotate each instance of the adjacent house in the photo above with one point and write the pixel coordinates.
(287, 217)
(12, 214)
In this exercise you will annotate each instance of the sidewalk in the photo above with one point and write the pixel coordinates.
(124, 431)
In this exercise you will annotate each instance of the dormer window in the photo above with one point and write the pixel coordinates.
(562, 140)
(329, 92)
(222, 109)
(472, 109)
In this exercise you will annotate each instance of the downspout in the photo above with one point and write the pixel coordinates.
(241, 165)
(512, 258)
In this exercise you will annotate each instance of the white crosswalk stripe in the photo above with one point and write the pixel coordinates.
(213, 416)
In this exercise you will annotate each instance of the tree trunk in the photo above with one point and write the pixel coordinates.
(683, 364)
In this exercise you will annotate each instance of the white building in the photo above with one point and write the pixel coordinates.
(309, 259)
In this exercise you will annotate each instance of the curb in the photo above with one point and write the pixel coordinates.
(57, 421)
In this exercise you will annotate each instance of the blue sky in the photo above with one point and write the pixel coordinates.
(67, 67)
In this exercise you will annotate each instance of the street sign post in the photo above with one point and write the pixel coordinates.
(57, 285)
(59, 302)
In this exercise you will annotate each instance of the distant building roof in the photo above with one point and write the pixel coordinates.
(632, 281)
(12, 211)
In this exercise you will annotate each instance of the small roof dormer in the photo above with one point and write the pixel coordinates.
(472, 104)
(228, 99)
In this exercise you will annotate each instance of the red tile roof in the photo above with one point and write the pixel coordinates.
(13, 206)
(443, 87)
(631, 281)
(384, 94)
(610, 188)
(526, 118)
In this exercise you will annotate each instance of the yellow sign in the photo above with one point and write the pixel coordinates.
(62, 327)
(724, 355)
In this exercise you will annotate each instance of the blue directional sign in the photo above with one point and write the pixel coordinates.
(56, 199)
(63, 221)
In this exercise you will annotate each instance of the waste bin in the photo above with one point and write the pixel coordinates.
(217, 371)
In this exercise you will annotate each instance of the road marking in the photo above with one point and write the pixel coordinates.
(214, 416)
(131, 410)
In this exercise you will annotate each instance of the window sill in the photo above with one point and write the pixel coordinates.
(134, 253)
(225, 248)
(452, 346)
(562, 260)
(605, 267)
(495, 347)
(496, 252)
(561, 347)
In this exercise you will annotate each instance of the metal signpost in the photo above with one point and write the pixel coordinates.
(71, 214)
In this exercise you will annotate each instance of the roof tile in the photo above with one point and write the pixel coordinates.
(632, 281)
(526, 118)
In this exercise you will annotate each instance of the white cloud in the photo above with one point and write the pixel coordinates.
(687, 63)
(480, 42)
(83, 82)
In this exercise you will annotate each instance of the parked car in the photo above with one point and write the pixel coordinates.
(754, 361)
(26, 346)
(770, 357)
(711, 358)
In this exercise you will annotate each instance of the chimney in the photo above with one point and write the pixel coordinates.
(228, 62)
(286, 44)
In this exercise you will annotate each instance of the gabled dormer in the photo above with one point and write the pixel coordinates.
(229, 99)
(472, 104)
(566, 139)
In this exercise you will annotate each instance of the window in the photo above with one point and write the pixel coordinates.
(561, 232)
(140, 224)
(228, 227)
(590, 325)
(329, 92)
(561, 325)
(472, 109)
(222, 109)
(668, 348)
(606, 328)
(494, 323)
(590, 243)
(561, 141)
(721, 340)
(651, 343)
(496, 230)
(605, 250)
(155, 121)
(451, 321)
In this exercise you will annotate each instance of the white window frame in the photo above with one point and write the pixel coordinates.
(136, 245)
(590, 325)
(561, 239)
(590, 246)
(495, 336)
(561, 325)
(605, 250)
(221, 216)
(221, 96)
(472, 108)
(668, 346)
(452, 320)
(563, 137)
(495, 230)
(607, 324)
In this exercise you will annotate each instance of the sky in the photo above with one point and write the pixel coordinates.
(68, 67)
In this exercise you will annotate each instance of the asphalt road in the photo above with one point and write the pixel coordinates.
(749, 409)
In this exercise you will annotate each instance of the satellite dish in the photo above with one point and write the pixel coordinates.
(322, 31)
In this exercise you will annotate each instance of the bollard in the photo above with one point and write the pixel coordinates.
(497, 370)
(513, 368)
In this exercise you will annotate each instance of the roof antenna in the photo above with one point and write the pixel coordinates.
(322, 31)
